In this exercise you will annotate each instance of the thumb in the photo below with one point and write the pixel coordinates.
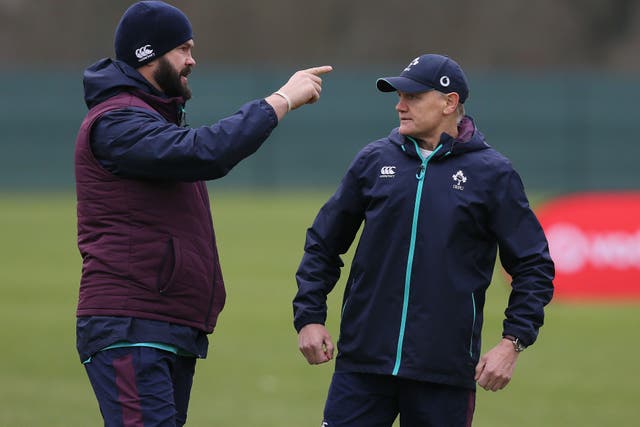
(329, 348)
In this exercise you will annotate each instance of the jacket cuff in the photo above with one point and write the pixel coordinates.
(300, 323)
(267, 108)
(523, 337)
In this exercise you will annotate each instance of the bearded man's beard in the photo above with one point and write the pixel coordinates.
(168, 78)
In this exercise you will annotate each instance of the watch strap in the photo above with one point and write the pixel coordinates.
(518, 346)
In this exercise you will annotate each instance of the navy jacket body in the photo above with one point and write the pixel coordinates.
(414, 298)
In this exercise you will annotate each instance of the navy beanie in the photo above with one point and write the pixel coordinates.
(148, 30)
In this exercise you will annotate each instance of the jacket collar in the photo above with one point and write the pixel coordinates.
(469, 139)
(172, 109)
(107, 78)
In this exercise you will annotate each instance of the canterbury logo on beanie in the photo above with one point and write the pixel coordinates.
(148, 30)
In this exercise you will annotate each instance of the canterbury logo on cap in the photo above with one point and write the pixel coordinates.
(144, 52)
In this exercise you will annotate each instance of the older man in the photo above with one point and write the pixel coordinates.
(436, 201)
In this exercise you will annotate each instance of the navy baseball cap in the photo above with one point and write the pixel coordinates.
(428, 72)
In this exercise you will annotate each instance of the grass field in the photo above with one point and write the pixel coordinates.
(584, 371)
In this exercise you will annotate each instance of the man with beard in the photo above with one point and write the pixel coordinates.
(151, 286)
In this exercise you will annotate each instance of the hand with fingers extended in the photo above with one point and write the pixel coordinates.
(303, 87)
(315, 344)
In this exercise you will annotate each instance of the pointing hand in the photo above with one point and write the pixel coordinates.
(303, 87)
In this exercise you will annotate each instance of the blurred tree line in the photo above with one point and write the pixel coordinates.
(488, 34)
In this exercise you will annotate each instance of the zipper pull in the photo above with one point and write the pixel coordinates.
(420, 172)
(182, 117)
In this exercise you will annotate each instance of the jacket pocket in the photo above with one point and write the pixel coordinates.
(473, 327)
(170, 265)
(354, 278)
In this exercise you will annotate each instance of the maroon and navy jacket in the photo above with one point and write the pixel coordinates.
(413, 302)
(145, 229)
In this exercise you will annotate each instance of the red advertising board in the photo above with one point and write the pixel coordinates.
(594, 240)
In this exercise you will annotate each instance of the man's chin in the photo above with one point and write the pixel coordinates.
(404, 131)
(185, 91)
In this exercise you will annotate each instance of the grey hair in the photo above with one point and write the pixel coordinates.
(459, 110)
(461, 113)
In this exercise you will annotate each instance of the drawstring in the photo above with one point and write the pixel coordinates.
(182, 116)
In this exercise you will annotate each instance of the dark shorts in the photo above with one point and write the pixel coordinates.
(141, 386)
(368, 400)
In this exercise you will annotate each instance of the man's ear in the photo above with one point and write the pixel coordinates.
(149, 66)
(453, 99)
(147, 71)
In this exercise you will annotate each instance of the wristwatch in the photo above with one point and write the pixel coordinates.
(517, 344)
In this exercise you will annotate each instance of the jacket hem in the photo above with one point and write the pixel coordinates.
(143, 315)
(450, 380)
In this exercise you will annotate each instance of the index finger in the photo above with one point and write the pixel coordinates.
(319, 70)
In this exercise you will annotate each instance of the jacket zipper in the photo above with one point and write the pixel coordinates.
(414, 228)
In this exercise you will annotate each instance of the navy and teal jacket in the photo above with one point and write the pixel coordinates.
(413, 302)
